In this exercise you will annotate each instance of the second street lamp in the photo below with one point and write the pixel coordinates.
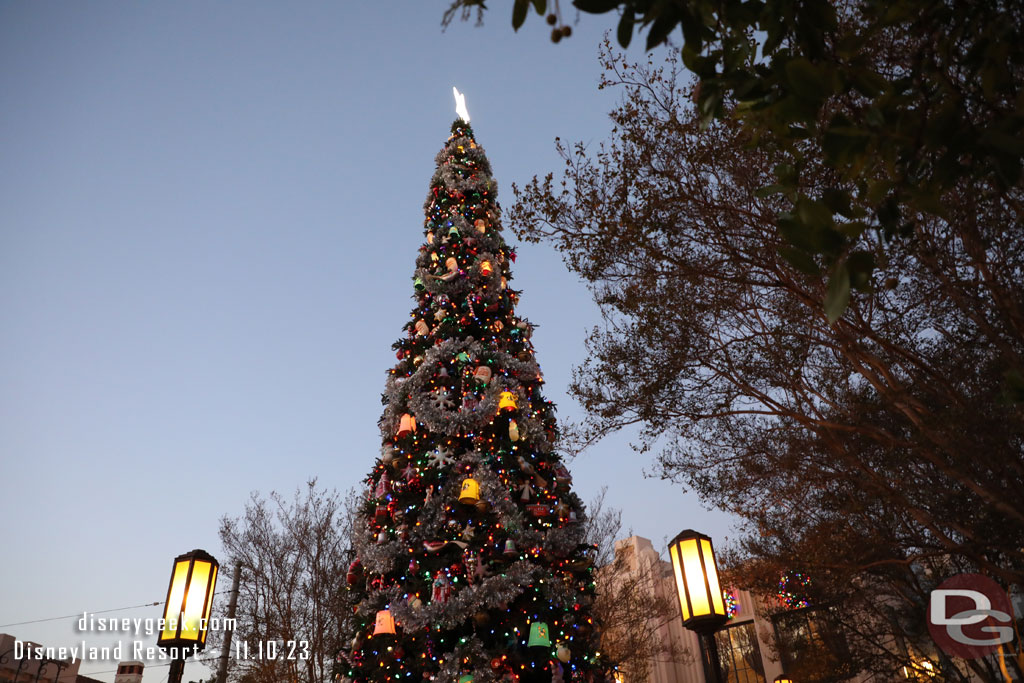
(700, 593)
(187, 610)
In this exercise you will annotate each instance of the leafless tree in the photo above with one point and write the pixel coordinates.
(631, 609)
(292, 598)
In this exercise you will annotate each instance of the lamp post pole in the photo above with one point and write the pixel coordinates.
(712, 661)
(222, 670)
(177, 669)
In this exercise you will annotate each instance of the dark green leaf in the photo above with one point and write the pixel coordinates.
(837, 296)
(595, 6)
(889, 215)
(691, 60)
(1014, 390)
(795, 234)
(769, 190)
(837, 200)
(813, 213)
(852, 229)
(691, 27)
(860, 265)
(843, 144)
(786, 174)
(519, 10)
(807, 80)
(799, 259)
(540, 6)
(625, 30)
(661, 28)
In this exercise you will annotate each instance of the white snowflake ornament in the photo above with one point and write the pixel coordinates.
(442, 457)
(442, 400)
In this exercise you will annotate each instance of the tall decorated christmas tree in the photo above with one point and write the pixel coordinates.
(471, 564)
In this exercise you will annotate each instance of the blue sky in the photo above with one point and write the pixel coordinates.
(209, 213)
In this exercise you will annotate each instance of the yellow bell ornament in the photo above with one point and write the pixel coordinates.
(470, 493)
(507, 401)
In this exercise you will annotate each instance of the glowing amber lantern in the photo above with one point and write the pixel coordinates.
(783, 678)
(406, 426)
(189, 599)
(700, 595)
(486, 269)
(507, 401)
(470, 493)
(385, 623)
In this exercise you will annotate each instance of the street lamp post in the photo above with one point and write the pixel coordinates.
(700, 594)
(187, 610)
(783, 678)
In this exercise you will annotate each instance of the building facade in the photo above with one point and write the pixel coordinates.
(28, 662)
(745, 643)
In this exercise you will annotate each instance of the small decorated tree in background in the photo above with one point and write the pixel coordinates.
(471, 563)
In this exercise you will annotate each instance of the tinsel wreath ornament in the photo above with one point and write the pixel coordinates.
(467, 538)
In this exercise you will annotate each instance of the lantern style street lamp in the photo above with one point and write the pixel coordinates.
(783, 678)
(187, 610)
(700, 594)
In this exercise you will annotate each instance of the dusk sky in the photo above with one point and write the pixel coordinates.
(209, 215)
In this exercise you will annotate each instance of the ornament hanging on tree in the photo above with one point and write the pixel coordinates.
(442, 588)
(384, 624)
(482, 374)
(506, 401)
(355, 572)
(470, 493)
(539, 635)
(406, 426)
(383, 486)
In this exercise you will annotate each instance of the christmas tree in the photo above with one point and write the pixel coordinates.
(471, 564)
